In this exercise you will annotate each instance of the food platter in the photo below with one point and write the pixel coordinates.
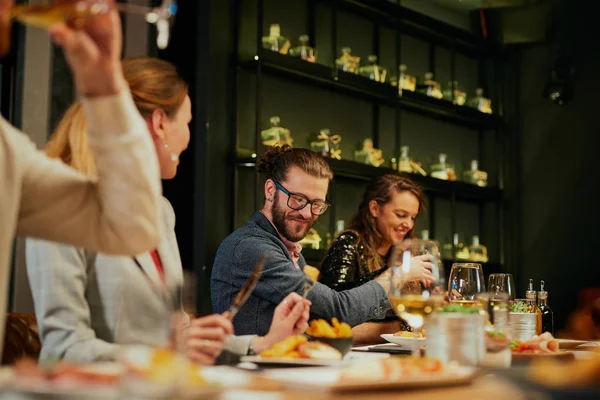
(403, 340)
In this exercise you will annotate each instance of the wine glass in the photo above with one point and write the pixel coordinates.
(414, 301)
(466, 281)
(502, 283)
(77, 13)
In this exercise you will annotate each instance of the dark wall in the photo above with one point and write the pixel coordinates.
(560, 212)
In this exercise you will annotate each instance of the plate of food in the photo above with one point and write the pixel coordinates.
(62, 379)
(405, 338)
(297, 351)
(383, 373)
(544, 345)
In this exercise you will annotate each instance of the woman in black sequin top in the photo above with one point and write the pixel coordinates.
(386, 215)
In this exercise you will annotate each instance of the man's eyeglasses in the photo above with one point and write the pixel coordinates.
(297, 201)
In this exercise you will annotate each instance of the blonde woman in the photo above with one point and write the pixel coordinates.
(88, 305)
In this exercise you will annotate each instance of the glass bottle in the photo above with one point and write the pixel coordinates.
(531, 294)
(425, 234)
(440, 170)
(430, 87)
(547, 314)
(475, 176)
(405, 160)
(347, 62)
(373, 71)
(276, 42)
(477, 251)
(481, 103)
(404, 81)
(460, 97)
(303, 50)
(276, 135)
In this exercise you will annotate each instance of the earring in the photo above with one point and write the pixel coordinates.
(174, 156)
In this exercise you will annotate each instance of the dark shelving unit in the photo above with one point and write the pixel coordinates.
(382, 93)
(259, 63)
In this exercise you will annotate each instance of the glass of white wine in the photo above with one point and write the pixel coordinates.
(76, 13)
(466, 281)
(412, 300)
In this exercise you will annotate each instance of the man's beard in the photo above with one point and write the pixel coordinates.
(279, 218)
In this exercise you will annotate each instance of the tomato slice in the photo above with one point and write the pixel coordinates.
(319, 351)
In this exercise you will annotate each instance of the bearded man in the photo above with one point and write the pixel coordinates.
(296, 185)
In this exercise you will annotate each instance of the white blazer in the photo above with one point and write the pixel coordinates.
(88, 304)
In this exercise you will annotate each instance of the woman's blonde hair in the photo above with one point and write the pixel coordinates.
(154, 84)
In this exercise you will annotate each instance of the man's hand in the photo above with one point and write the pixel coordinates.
(290, 318)
(205, 338)
(94, 51)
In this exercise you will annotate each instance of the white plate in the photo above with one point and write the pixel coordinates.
(567, 344)
(290, 362)
(403, 341)
(327, 380)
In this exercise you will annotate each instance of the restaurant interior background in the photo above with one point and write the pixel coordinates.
(538, 214)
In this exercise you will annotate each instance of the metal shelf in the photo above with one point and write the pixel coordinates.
(432, 186)
(350, 84)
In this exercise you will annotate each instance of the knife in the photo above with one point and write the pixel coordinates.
(247, 289)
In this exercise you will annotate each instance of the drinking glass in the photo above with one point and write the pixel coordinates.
(76, 13)
(502, 283)
(414, 301)
(466, 281)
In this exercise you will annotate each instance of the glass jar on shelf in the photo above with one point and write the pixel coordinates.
(312, 240)
(347, 62)
(481, 103)
(373, 71)
(404, 81)
(407, 164)
(303, 50)
(327, 145)
(275, 42)
(430, 87)
(276, 135)
(455, 249)
(475, 176)
(477, 251)
(443, 170)
(368, 154)
(460, 97)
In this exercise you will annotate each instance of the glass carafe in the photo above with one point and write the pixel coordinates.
(276, 42)
(373, 71)
(347, 62)
(443, 170)
(430, 87)
(303, 50)
(460, 97)
(455, 249)
(477, 251)
(475, 176)
(480, 102)
(276, 135)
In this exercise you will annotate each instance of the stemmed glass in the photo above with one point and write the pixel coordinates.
(414, 301)
(76, 13)
(466, 281)
(502, 283)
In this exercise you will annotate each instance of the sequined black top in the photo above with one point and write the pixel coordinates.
(345, 266)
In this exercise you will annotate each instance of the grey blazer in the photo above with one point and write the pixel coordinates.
(87, 304)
